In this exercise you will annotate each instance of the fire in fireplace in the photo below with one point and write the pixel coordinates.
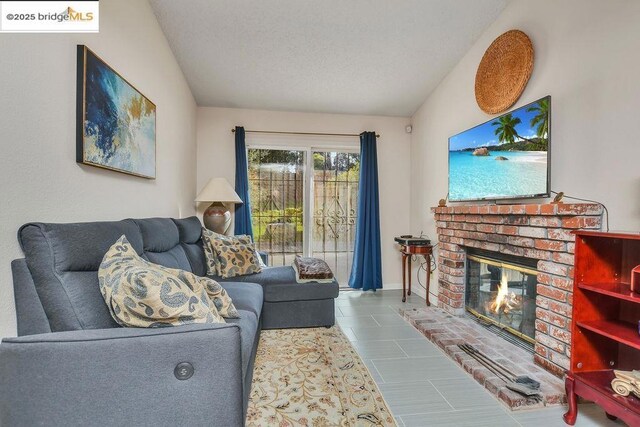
(501, 293)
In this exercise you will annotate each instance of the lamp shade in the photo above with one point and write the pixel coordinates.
(218, 190)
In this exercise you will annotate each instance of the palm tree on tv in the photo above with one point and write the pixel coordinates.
(541, 119)
(506, 128)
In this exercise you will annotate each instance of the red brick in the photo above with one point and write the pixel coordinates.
(539, 233)
(516, 220)
(559, 359)
(549, 209)
(542, 302)
(450, 247)
(553, 268)
(561, 234)
(453, 264)
(571, 248)
(552, 293)
(532, 209)
(492, 219)
(446, 232)
(486, 228)
(550, 343)
(474, 218)
(483, 209)
(489, 246)
(507, 229)
(581, 222)
(459, 218)
(505, 209)
(561, 335)
(541, 350)
(542, 327)
(560, 308)
(550, 245)
(512, 250)
(496, 238)
(458, 256)
(494, 209)
(551, 367)
(469, 227)
(535, 253)
(525, 242)
(448, 278)
(543, 278)
(541, 221)
(474, 209)
(563, 258)
(579, 209)
(518, 209)
(552, 318)
(562, 283)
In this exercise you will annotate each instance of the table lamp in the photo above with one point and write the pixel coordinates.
(217, 217)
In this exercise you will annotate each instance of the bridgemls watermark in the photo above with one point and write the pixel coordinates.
(49, 16)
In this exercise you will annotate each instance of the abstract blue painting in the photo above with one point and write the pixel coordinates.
(116, 123)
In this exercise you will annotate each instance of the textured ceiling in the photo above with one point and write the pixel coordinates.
(334, 56)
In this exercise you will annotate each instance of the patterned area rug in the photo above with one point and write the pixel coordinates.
(313, 377)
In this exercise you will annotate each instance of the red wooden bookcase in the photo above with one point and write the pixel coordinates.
(605, 322)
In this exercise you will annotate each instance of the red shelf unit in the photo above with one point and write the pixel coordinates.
(605, 322)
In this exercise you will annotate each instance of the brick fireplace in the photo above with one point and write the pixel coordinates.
(541, 232)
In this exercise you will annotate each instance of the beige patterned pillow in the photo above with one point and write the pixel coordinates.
(142, 294)
(236, 259)
(216, 293)
(208, 237)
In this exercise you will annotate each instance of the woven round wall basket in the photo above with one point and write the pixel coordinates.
(504, 71)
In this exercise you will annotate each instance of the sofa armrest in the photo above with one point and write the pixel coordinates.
(123, 376)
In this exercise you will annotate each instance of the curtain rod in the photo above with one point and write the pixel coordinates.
(303, 133)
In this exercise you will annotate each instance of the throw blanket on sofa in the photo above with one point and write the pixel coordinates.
(312, 270)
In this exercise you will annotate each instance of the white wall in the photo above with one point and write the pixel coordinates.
(39, 178)
(586, 58)
(216, 153)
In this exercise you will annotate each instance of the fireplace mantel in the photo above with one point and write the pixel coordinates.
(538, 231)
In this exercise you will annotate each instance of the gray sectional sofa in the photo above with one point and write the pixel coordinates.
(73, 365)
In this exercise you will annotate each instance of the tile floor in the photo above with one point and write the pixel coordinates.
(422, 386)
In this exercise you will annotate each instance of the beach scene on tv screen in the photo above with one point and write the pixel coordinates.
(504, 157)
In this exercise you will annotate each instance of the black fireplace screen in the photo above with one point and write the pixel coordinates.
(503, 294)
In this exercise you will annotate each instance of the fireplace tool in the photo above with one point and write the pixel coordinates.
(524, 389)
(520, 379)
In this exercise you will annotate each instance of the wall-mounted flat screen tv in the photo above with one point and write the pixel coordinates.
(504, 158)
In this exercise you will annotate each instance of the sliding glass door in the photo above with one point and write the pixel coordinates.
(276, 190)
(304, 202)
(335, 197)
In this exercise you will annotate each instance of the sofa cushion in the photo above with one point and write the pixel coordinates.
(145, 295)
(248, 323)
(279, 284)
(63, 260)
(161, 243)
(246, 296)
(190, 231)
